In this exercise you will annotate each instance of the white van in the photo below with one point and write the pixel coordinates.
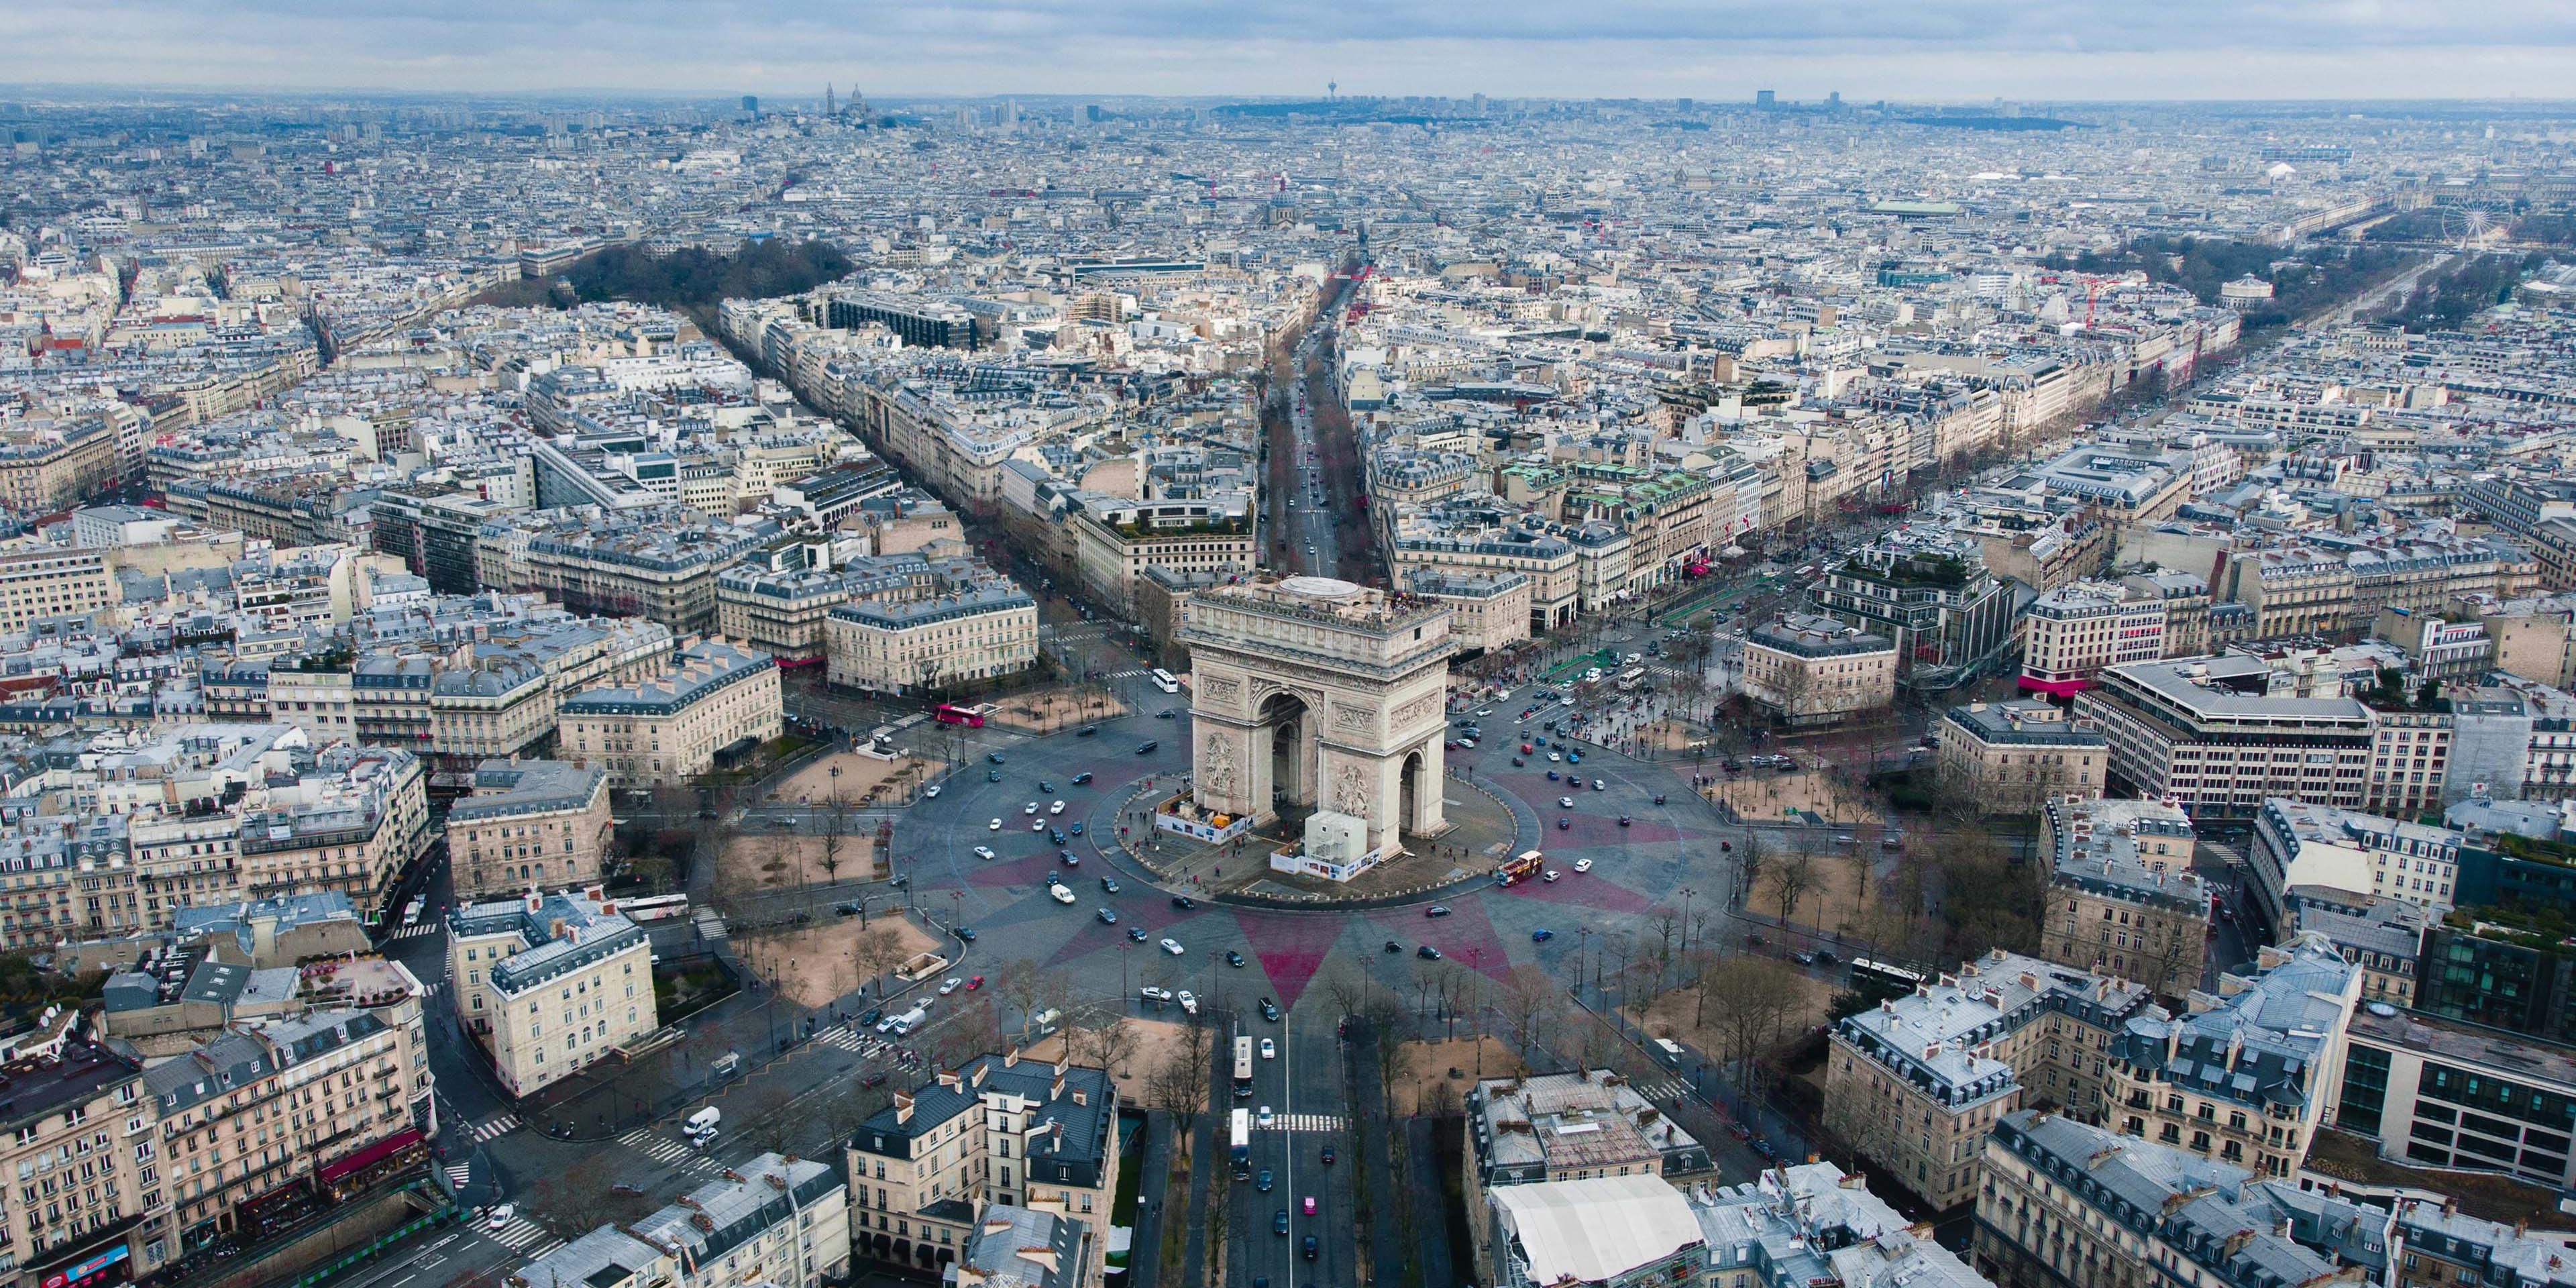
(906, 1022)
(703, 1122)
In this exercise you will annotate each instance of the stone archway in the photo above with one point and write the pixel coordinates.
(1310, 691)
(1289, 763)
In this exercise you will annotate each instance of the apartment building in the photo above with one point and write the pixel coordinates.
(39, 581)
(1806, 670)
(2248, 1080)
(2186, 603)
(1915, 1083)
(2299, 847)
(352, 824)
(1487, 611)
(657, 562)
(2384, 937)
(1929, 592)
(2014, 757)
(2410, 753)
(89, 1199)
(57, 467)
(1115, 540)
(530, 825)
(766, 1220)
(2060, 1202)
(2071, 632)
(910, 624)
(2122, 898)
(285, 1113)
(1570, 1126)
(665, 730)
(567, 965)
(999, 1130)
(2445, 1247)
(1473, 539)
(2209, 734)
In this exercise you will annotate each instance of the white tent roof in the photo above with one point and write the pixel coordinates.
(1596, 1230)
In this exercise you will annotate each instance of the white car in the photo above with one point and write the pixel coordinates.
(1153, 994)
(985, 852)
(1030, 808)
(1482, 712)
(950, 985)
(994, 826)
(1037, 825)
(1600, 786)
(1583, 865)
(1056, 808)
(1565, 802)
(1550, 875)
(1269, 1049)
(1060, 894)
(1266, 1117)
(1555, 759)
(500, 1216)
(931, 791)
(1172, 946)
(1189, 1003)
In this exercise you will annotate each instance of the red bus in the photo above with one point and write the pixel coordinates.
(950, 713)
(1520, 867)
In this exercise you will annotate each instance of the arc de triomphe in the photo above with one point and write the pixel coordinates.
(1309, 691)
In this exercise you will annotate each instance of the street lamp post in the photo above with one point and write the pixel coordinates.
(1687, 892)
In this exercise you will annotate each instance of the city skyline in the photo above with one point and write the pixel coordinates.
(1717, 52)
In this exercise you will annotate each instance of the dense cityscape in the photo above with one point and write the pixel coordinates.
(1134, 692)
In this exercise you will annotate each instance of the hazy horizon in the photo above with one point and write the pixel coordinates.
(2082, 51)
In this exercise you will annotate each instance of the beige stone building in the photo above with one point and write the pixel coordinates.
(999, 1130)
(1487, 611)
(2122, 898)
(2248, 1080)
(1114, 543)
(2012, 757)
(1809, 670)
(52, 469)
(88, 1178)
(530, 825)
(351, 826)
(1915, 1083)
(2071, 633)
(289, 1112)
(549, 984)
(910, 623)
(668, 729)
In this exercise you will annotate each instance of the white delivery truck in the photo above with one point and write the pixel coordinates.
(701, 1126)
(909, 1020)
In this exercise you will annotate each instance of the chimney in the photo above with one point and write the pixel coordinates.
(902, 1107)
(1011, 1058)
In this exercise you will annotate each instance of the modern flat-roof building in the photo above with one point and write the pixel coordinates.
(2209, 734)
(1602, 1232)
(2431, 1092)
(1570, 1126)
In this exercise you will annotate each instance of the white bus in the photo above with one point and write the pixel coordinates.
(1631, 678)
(1241, 1141)
(1163, 680)
(1242, 1067)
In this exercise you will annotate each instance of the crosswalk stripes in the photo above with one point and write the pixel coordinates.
(864, 1044)
(1129, 675)
(544, 1250)
(1308, 1122)
(518, 1233)
(1668, 1089)
(415, 932)
(491, 1127)
(661, 1149)
(459, 1173)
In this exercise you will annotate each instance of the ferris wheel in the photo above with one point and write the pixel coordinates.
(2465, 228)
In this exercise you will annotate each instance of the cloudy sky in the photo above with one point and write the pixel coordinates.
(1713, 49)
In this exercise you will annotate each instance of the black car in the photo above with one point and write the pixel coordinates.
(1081, 778)
(1262, 1181)
(1086, 731)
(1307, 1249)
(1328, 1156)
(1234, 959)
(993, 756)
(1394, 947)
(871, 1015)
(1436, 910)
(1166, 713)
(1427, 953)
(1109, 884)
(965, 934)
(1045, 786)
(846, 909)
(1146, 748)
(1270, 1010)
(1279, 1223)
(1184, 901)
(1136, 933)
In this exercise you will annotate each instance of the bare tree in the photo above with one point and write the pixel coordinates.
(1752, 859)
(876, 953)
(1792, 878)
(1531, 1002)
(1755, 998)
(1181, 1084)
(1020, 985)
